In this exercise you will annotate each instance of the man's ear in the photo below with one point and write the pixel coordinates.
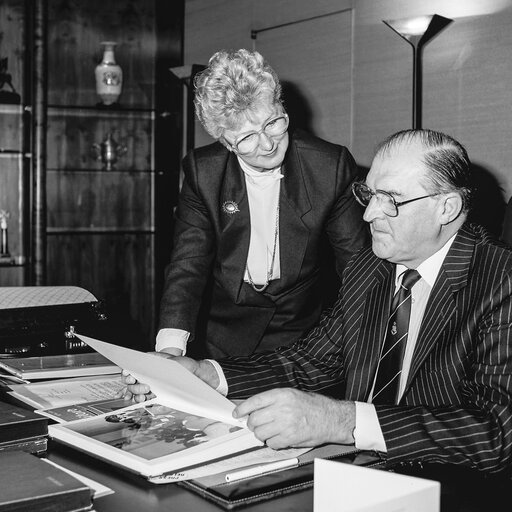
(450, 207)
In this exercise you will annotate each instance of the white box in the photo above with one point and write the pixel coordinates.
(341, 487)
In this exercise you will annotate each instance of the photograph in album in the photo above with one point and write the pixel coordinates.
(152, 431)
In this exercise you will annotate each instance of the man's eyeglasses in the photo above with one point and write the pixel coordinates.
(273, 128)
(385, 200)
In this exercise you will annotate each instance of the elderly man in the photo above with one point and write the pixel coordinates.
(428, 377)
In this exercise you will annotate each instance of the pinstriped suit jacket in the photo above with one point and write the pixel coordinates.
(457, 404)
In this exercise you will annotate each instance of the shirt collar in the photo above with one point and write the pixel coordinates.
(429, 269)
(259, 176)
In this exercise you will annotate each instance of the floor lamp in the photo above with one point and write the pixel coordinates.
(418, 31)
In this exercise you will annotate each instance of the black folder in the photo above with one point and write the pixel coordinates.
(272, 485)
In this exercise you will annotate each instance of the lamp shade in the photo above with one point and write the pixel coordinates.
(418, 30)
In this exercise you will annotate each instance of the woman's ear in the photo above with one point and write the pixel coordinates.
(450, 207)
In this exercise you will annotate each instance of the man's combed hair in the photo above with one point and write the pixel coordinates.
(234, 84)
(447, 160)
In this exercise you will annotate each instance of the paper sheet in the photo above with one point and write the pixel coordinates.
(168, 380)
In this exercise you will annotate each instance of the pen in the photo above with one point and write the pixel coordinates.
(261, 470)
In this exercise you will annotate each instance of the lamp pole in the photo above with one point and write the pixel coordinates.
(418, 31)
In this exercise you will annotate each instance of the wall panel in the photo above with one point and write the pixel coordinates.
(313, 61)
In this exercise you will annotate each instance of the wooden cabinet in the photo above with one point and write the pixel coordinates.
(15, 155)
(108, 222)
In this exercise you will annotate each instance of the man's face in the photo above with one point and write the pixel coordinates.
(413, 235)
(271, 150)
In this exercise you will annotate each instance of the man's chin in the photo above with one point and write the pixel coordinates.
(379, 250)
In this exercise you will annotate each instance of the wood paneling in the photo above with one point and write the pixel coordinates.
(12, 32)
(73, 132)
(76, 29)
(11, 183)
(10, 128)
(116, 268)
(85, 200)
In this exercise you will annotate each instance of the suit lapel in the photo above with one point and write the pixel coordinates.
(294, 204)
(368, 344)
(235, 227)
(441, 305)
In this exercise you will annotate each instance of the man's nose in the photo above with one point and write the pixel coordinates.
(373, 210)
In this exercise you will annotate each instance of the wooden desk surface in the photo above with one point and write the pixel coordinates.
(134, 494)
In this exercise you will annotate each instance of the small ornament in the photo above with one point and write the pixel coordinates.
(230, 207)
(393, 329)
(109, 75)
(108, 152)
(4, 245)
(7, 96)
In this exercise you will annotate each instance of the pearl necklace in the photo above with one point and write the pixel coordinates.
(270, 271)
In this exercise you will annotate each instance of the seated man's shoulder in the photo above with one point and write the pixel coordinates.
(487, 246)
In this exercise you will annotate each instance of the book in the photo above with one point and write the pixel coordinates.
(66, 392)
(187, 424)
(22, 429)
(27, 483)
(98, 490)
(60, 366)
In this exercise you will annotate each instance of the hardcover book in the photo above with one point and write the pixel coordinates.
(27, 483)
(22, 429)
(60, 366)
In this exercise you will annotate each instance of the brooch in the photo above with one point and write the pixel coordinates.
(230, 207)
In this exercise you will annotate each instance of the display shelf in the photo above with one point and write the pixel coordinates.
(97, 109)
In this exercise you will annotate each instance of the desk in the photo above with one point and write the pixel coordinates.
(461, 489)
(134, 494)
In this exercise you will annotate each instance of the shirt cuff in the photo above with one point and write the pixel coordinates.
(222, 388)
(368, 434)
(172, 338)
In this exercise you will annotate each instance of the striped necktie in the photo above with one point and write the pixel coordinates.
(390, 363)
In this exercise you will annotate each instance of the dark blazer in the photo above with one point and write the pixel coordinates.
(315, 203)
(457, 404)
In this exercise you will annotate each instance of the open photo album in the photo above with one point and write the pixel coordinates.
(187, 424)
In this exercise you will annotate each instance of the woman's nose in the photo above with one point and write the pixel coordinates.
(266, 142)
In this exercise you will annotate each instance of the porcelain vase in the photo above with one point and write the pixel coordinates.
(109, 75)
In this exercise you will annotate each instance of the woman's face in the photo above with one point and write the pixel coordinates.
(271, 149)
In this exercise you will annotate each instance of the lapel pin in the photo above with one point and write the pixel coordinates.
(230, 207)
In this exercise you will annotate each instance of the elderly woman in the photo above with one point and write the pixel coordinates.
(253, 210)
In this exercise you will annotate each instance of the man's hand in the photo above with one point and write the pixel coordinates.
(139, 392)
(287, 417)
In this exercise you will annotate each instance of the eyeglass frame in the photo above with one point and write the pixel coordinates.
(237, 141)
(395, 203)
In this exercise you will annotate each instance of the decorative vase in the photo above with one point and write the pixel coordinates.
(109, 75)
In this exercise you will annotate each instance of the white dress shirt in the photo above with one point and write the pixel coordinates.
(263, 195)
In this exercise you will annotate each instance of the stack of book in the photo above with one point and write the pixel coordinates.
(58, 367)
(21, 429)
(28, 483)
